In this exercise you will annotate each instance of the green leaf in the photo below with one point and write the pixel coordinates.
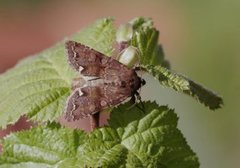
(141, 23)
(152, 60)
(145, 38)
(182, 84)
(100, 36)
(43, 146)
(39, 86)
(133, 139)
(152, 137)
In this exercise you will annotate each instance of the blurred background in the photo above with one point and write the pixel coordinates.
(201, 40)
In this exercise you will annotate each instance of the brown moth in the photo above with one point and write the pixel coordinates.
(111, 83)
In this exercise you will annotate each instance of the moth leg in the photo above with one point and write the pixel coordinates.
(133, 100)
(134, 103)
(142, 108)
(139, 98)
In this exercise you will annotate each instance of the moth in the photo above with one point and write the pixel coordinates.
(110, 83)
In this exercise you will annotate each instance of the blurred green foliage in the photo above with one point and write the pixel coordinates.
(212, 57)
(22, 3)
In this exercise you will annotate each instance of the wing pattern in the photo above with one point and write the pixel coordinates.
(113, 84)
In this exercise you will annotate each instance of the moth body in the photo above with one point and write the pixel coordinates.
(107, 82)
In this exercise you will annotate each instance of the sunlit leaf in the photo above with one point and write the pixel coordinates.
(39, 85)
(133, 139)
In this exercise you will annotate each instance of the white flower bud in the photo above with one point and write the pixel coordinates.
(124, 33)
(129, 57)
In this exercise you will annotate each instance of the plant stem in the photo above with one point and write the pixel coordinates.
(94, 121)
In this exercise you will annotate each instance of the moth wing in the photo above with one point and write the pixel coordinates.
(90, 62)
(81, 105)
(85, 60)
(90, 100)
(112, 95)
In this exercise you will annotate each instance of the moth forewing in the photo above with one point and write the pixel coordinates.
(111, 82)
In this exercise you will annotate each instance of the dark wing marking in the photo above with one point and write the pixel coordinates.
(91, 100)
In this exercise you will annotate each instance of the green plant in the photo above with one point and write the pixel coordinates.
(39, 86)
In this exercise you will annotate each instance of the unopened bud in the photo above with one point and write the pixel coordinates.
(129, 57)
(124, 33)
